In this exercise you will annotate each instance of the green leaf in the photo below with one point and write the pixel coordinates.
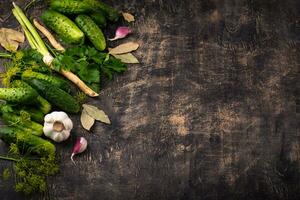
(113, 65)
(90, 73)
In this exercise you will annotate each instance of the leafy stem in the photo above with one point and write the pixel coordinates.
(5, 55)
(9, 158)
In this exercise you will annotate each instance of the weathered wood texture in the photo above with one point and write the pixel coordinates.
(210, 113)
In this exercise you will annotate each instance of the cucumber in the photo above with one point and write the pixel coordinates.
(92, 31)
(84, 6)
(36, 114)
(18, 95)
(53, 80)
(14, 120)
(41, 103)
(56, 96)
(71, 6)
(99, 19)
(63, 26)
(111, 13)
(27, 142)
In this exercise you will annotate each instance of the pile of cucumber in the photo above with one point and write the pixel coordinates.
(89, 17)
(37, 93)
(32, 92)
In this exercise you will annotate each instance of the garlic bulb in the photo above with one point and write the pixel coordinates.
(57, 126)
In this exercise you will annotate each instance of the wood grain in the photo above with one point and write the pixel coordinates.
(212, 111)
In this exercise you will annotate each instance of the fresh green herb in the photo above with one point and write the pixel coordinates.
(80, 97)
(27, 59)
(89, 64)
(36, 42)
(112, 66)
(31, 173)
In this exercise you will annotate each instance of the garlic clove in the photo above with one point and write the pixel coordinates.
(121, 32)
(49, 118)
(68, 124)
(79, 147)
(60, 115)
(47, 129)
(57, 136)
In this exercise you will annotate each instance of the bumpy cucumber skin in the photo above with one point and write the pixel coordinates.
(14, 120)
(20, 84)
(44, 105)
(58, 82)
(111, 13)
(36, 114)
(56, 96)
(70, 6)
(27, 142)
(63, 26)
(18, 95)
(92, 31)
(41, 103)
(84, 6)
(99, 19)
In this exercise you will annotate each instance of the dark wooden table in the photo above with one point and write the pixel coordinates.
(211, 112)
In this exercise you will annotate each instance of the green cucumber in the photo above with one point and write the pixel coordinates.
(71, 6)
(36, 114)
(63, 26)
(14, 120)
(84, 6)
(92, 31)
(99, 19)
(41, 103)
(18, 95)
(111, 13)
(56, 96)
(27, 142)
(53, 80)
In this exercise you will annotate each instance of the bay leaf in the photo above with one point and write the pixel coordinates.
(86, 120)
(96, 113)
(124, 48)
(10, 39)
(14, 35)
(128, 17)
(127, 58)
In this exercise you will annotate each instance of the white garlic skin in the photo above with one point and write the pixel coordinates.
(61, 117)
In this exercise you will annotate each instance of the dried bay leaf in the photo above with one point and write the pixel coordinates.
(14, 35)
(128, 17)
(10, 39)
(96, 113)
(86, 120)
(124, 48)
(127, 58)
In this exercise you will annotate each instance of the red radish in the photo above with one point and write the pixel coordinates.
(79, 147)
(121, 32)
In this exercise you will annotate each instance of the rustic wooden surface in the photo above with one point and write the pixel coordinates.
(211, 112)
